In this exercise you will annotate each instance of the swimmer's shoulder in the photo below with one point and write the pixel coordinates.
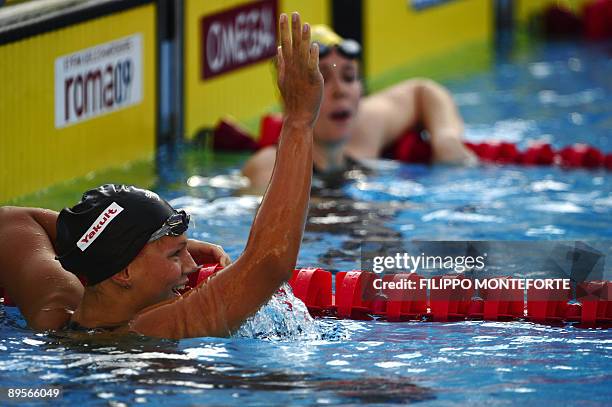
(258, 169)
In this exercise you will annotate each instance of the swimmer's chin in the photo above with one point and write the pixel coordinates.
(338, 136)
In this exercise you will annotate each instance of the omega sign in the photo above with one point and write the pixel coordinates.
(98, 80)
(238, 37)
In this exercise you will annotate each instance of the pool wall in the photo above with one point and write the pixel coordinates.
(38, 146)
(398, 34)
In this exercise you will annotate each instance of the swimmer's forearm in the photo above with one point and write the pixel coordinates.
(278, 227)
(440, 115)
(279, 224)
(444, 124)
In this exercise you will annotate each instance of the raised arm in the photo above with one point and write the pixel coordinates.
(221, 305)
(45, 293)
(258, 169)
(419, 102)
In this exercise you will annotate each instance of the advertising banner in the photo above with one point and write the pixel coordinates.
(238, 37)
(98, 80)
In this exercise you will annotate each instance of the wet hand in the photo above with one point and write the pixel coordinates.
(207, 253)
(299, 79)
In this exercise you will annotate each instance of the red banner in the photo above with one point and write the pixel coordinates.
(237, 37)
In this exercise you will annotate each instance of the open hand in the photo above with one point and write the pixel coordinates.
(299, 79)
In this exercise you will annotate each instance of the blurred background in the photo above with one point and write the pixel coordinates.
(94, 90)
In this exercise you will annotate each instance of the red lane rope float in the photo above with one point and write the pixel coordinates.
(596, 20)
(315, 286)
(403, 305)
(450, 304)
(357, 298)
(412, 148)
(351, 289)
(500, 305)
(575, 156)
(548, 304)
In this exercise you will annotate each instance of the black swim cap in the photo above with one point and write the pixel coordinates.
(105, 231)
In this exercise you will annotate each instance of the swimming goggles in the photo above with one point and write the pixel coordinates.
(347, 48)
(175, 225)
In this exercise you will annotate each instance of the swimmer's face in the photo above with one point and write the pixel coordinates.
(341, 95)
(160, 269)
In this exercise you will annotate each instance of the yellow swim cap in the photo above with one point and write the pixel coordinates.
(323, 34)
(328, 39)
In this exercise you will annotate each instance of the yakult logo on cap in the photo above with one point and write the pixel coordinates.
(99, 225)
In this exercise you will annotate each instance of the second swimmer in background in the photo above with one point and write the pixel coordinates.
(351, 128)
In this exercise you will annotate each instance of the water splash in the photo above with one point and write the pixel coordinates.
(284, 317)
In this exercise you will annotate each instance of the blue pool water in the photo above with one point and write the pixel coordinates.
(560, 93)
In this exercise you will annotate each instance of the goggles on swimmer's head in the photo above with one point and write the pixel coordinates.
(175, 225)
(327, 39)
(348, 48)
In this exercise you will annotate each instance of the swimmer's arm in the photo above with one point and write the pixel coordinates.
(422, 102)
(44, 292)
(258, 169)
(219, 306)
(274, 241)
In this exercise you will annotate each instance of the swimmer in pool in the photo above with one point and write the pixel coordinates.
(350, 128)
(131, 247)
